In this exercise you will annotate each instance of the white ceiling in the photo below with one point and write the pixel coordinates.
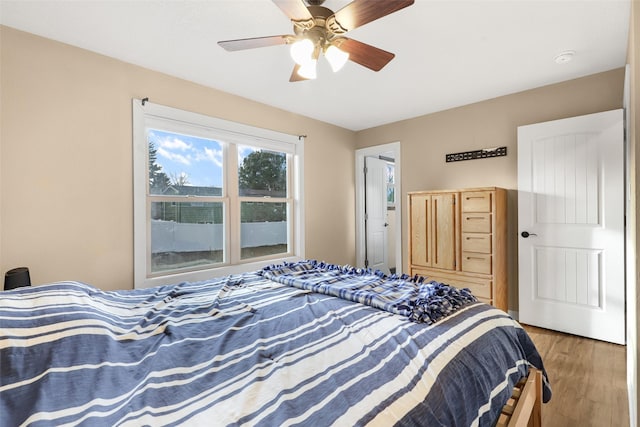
(448, 52)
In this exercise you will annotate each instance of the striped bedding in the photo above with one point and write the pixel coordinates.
(248, 350)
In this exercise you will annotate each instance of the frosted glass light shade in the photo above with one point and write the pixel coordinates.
(302, 51)
(336, 57)
(308, 69)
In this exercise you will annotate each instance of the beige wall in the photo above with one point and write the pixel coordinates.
(427, 139)
(66, 161)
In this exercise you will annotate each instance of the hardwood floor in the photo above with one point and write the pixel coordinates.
(588, 380)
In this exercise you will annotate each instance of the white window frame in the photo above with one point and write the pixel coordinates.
(149, 115)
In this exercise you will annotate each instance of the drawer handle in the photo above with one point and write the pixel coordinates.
(475, 217)
(476, 238)
(475, 257)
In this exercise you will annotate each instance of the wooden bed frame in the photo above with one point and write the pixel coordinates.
(524, 407)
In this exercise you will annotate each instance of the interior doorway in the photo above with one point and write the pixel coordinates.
(389, 153)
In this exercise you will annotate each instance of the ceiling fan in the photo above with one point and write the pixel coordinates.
(318, 29)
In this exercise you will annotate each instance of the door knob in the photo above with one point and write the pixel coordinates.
(526, 234)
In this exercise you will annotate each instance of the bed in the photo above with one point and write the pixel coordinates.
(304, 343)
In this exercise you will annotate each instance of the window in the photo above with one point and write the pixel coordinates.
(211, 197)
(262, 188)
(391, 185)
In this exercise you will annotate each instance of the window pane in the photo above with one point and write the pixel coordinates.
(391, 170)
(184, 235)
(263, 229)
(391, 195)
(261, 172)
(181, 165)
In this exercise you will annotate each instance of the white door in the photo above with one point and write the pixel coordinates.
(571, 225)
(376, 214)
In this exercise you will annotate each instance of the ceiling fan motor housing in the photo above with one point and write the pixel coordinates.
(318, 29)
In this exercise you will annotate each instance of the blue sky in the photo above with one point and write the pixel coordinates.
(199, 158)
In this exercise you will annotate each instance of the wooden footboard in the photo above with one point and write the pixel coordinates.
(524, 407)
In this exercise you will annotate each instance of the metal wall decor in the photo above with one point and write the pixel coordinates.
(476, 154)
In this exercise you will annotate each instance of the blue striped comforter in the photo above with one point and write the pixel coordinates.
(246, 350)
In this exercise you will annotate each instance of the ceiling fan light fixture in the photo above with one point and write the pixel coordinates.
(308, 69)
(336, 57)
(302, 51)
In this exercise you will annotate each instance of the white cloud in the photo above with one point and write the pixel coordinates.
(200, 159)
(175, 144)
(214, 156)
(244, 151)
(175, 157)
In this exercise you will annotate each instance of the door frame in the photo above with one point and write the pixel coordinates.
(631, 244)
(377, 150)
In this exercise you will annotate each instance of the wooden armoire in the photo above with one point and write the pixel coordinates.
(458, 237)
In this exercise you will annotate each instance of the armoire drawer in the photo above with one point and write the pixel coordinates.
(476, 242)
(479, 289)
(476, 201)
(476, 223)
(476, 263)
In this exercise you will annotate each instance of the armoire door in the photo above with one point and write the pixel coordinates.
(443, 234)
(420, 236)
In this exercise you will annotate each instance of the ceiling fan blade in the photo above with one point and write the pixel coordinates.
(366, 55)
(360, 12)
(294, 9)
(295, 77)
(252, 43)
